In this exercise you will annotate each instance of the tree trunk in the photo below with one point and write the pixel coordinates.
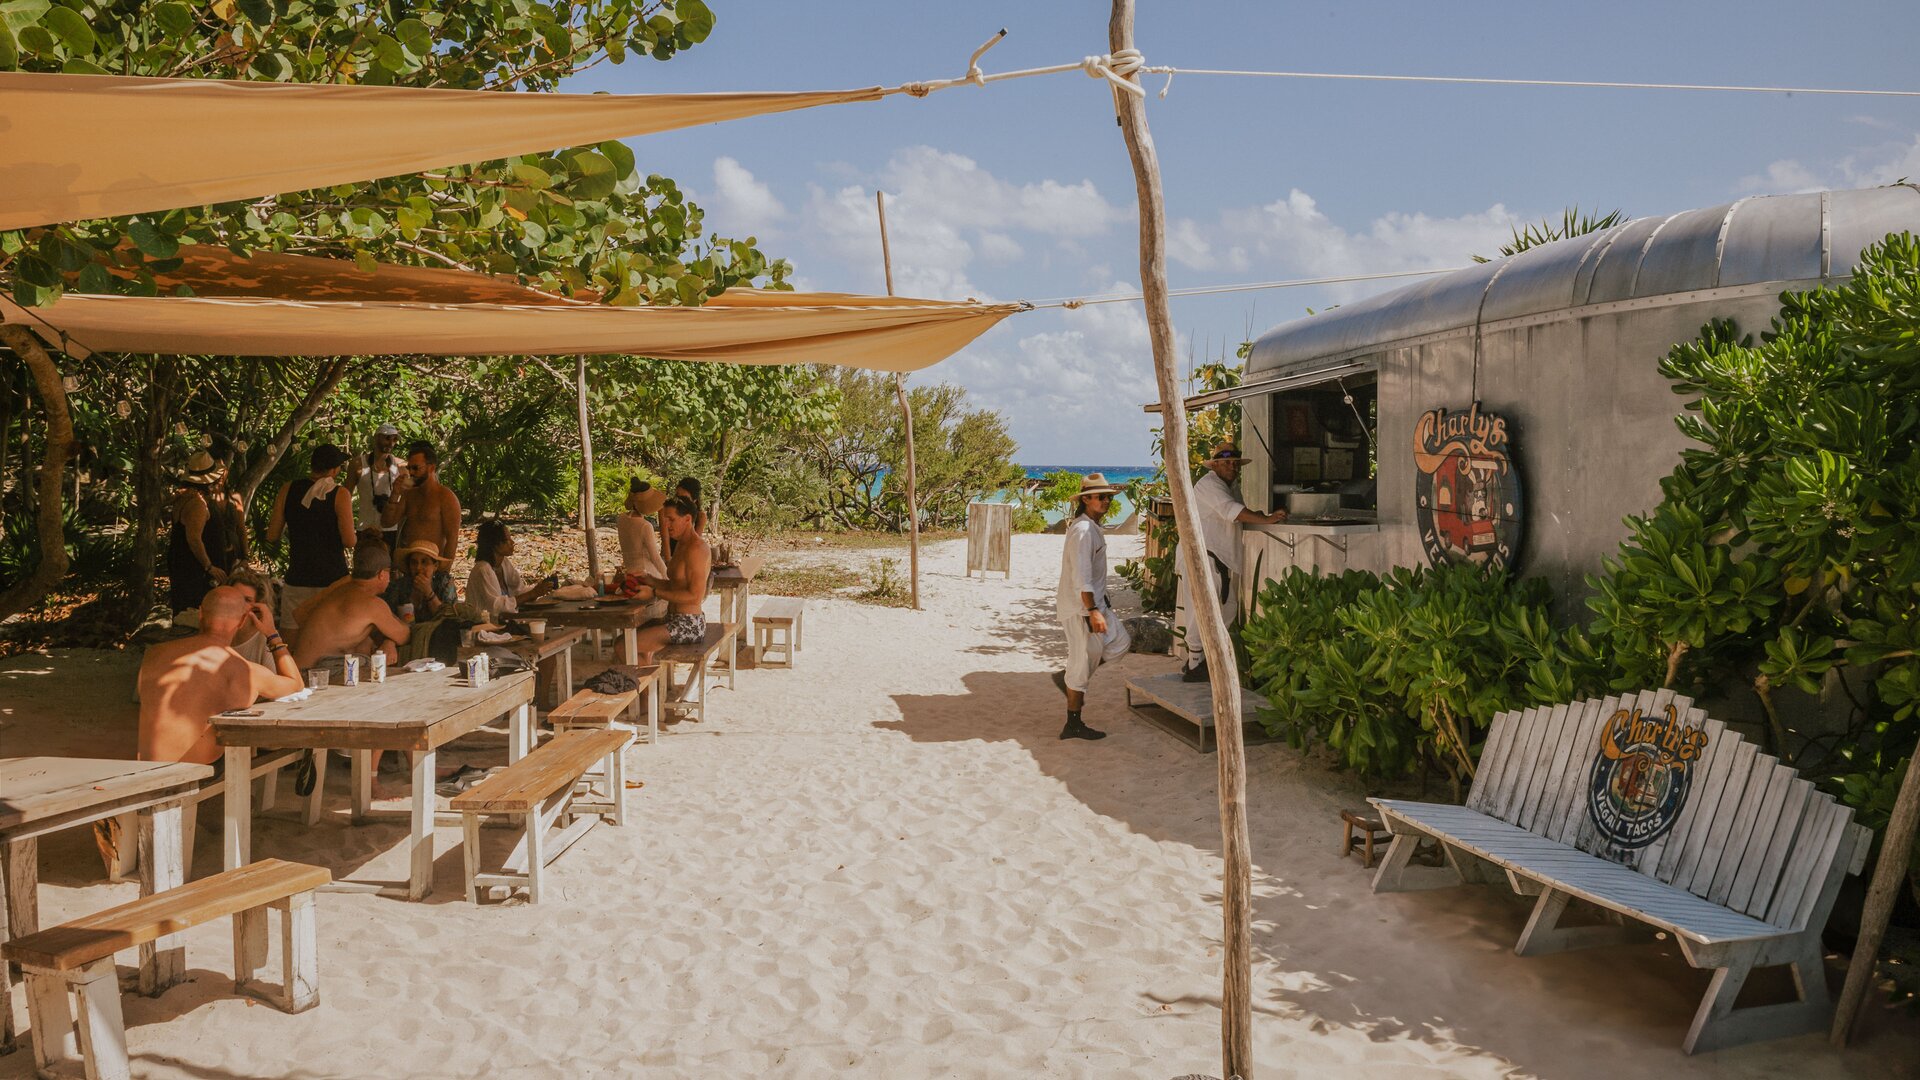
(1896, 849)
(32, 589)
(586, 471)
(1236, 1003)
(269, 457)
(150, 483)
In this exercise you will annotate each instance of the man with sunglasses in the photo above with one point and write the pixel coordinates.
(1221, 515)
(424, 509)
(1094, 634)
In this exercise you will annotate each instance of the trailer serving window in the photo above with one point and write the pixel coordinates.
(1323, 458)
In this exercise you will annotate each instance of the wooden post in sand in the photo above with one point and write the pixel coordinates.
(1236, 1004)
(906, 414)
(1896, 848)
(586, 472)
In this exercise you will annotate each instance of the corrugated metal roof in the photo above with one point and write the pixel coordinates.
(1766, 239)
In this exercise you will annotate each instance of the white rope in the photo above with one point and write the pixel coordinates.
(1071, 303)
(1119, 70)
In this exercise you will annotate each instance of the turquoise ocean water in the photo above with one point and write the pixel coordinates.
(1117, 475)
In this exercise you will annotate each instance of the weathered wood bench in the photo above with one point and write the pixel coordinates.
(72, 964)
(541, 789)
(1184, 710)
(778, 625)
(1644, 808)
(592, 709)
(691, 695)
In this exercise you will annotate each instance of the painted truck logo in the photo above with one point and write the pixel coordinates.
(1640, 777)
(1468, 489)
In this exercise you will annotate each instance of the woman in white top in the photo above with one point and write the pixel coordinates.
(495, 586)
(639, 544)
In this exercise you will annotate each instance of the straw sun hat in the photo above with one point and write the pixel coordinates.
(644, 498)
(1095, 484)
(199, 469)
(424, 547)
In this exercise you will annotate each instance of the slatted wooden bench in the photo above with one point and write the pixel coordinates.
(778, 625)
(72, 964)
(691, 695)
(541, 789)
(592, 709)
(1643, 807)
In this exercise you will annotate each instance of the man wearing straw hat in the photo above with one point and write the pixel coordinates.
(1094, 634)
(1221, 514)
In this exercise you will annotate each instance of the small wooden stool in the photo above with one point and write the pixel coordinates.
(1371, 826)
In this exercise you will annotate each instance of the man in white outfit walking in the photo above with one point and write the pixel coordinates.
(1221, 514)
(1094, 635)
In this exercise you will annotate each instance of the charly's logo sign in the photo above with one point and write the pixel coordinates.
(1640, 777)
(1467, 487)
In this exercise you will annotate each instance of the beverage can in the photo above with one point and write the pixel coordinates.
(377, 667)
(406, 612)
(350, 670)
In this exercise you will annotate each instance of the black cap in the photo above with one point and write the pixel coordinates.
(326, 456)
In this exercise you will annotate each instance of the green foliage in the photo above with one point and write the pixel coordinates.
(1152, 576)
(1572, 223)
(611, 478)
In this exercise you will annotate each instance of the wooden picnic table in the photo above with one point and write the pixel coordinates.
(414, 712)
(40, 795)
(735, 586)
(626, 618)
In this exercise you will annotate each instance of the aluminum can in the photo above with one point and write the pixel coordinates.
(350, 670)
(377, 667)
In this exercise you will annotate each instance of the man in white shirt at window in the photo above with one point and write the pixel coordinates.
(1094, 634)
(1221, 514)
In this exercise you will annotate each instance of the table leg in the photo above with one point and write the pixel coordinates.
(316, 799)
(566, 676)
(420, 877)
(630, 646)
(521, 736)
(362, 785)
(239, 808)
(740, 611)
(19, 916)
(162, 866)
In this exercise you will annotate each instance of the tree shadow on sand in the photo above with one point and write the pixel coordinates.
(1433, 966)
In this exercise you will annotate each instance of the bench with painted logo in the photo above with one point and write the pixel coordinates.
(1641, 807)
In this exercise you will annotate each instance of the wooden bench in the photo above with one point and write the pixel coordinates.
(120, 853)
(1642, 807)
(1184, 710)
(592, 709)
(781, 616)
(541, 788)
(72, 964)
(699, 658)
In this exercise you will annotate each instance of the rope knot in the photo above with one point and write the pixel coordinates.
(918, 89)
(1115, 68)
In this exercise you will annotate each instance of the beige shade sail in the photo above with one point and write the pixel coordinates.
(87, 146)
(294, 305)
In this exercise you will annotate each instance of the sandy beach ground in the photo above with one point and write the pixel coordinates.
(885, 864)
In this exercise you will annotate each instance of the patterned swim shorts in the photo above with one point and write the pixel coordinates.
(685, 629)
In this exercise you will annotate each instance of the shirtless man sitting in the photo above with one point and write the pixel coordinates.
(353, 617)
(184, 682)
(685, 586)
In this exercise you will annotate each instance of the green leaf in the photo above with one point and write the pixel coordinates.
(621, 155)
(594, 176)
(389, 55)
(70, 27)
(74, 65)
(258, 12)
(415, 36)
(696, 19)
(37, 40)
(9, 50)
(174, 18)
(151, 241)
(17, 15)
(532, 176)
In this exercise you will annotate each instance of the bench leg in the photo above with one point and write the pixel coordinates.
(420, 875)
(1396, 874)
(1544, 934)
(102, 1029)
(1717, 1024)
(535, 824)
(517, 733)
(299, 953)
(189, 832)
(50, 1015)
(470, 851)
(162, 866)
(316, 799)
(249, 950)
(617, 785)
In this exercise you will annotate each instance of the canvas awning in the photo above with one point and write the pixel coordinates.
(294, 305)
(87, 146)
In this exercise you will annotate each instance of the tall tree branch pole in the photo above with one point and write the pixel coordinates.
(1236, 1002)
(586, 471)
(49, 520)
(906, 415)
(1895, 851)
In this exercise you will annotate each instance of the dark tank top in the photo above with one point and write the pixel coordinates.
(314, 554)
(187, 581)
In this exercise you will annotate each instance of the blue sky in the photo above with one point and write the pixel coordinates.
(1022, 190)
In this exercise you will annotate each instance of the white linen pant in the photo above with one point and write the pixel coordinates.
(1086, 650)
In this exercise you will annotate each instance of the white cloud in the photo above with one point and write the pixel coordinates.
(1886, 163)
(741, 205)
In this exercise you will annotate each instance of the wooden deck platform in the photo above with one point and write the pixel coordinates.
(1185, 710)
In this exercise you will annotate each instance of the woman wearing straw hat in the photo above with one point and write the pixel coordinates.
(1094, 634)
(197, 555)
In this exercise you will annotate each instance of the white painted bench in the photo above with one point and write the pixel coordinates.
(1641, 806)
(777, 625)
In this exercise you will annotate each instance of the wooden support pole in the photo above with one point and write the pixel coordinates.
(906, 415)
(1236, 1003)
(586, 471)
(1896, 849)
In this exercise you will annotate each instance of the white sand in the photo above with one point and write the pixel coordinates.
(885, 864)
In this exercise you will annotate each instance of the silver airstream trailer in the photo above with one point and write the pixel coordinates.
(1513, 411)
